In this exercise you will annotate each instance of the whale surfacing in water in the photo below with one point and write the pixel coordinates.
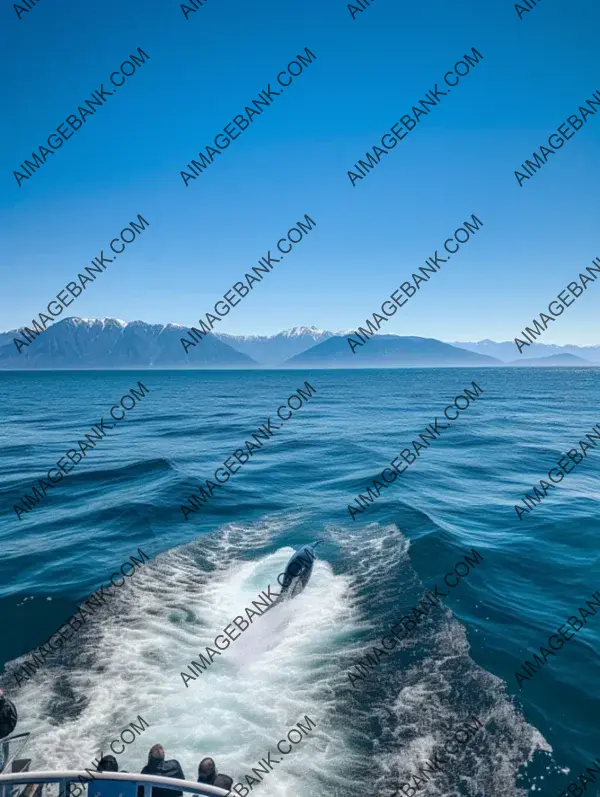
(297, 573)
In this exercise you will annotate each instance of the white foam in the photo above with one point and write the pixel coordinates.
(291, 662)
(282, 668)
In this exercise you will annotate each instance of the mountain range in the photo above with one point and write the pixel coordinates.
(107, 343)
(507, 351)
(111, 343)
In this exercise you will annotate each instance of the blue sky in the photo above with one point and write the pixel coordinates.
(369, 71)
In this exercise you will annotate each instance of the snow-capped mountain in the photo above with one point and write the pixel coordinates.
(272, 350)
(112, 343)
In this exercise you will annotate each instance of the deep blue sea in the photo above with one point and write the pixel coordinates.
(457, 496)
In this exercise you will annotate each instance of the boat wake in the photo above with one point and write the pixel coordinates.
(290, 663)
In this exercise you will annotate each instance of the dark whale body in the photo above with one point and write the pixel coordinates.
(297, 573)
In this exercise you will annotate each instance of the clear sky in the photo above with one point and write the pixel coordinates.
(294, 159)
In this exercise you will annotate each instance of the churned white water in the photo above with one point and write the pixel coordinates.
(284, 667)
(291, 663)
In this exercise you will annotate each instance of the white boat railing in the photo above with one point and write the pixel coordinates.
(11, 783)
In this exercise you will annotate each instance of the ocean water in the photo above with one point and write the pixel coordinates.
(459, 495)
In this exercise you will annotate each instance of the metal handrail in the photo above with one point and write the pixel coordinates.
(64, 777)
(6, 757)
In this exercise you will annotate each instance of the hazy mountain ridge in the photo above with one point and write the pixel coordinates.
(274, 350)
(568, 360)
(507, 350)
(110, 343)
(386, 351)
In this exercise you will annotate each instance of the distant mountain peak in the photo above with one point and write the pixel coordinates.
(298, 331)
(273, 350)
(385, 351)
(82, 320)
(506, 350)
